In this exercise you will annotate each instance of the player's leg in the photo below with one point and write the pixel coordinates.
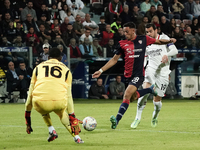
(64, 118)
(130, 90)
(157, 107)
(161, 86)
(44, 108)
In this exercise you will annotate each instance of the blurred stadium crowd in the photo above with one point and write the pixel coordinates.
(42, 24)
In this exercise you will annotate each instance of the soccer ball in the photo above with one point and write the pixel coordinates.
(89, 123)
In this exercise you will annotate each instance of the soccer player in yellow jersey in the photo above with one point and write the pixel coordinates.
(50, 90)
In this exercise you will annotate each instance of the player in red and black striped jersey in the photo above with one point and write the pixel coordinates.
(133, 49)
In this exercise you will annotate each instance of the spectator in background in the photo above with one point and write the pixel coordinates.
(125, 15)
(63, 26)
(194, 44)
(55, 23)
(178, 7)
(189, 9)
(172, 26)
(145, 6)
(102, 24)
(150, 13)
(15, 81)
(196, 9)
(76, 7)
(171, 90)
(194, 26)
(86, 48)
(165, 26)
(118, 36)
(55, 32)
(132, 3)
(43, 12)
(29, 22)
(116, 25)
(110, 48)
(86, 34)
(155, 20)
(71, 18)
(68, 34)
(64, 57)
(90, 25)
(49, 3)
(5, 22)
(189, 36)
(97, 49)
(136, 16)
(61, 4)
(43, 34)
(116, 88)
(78, 26)
(179, 36)
(182, 28)
(106, 35)
(17, 42)
(63, 12)
(97, 90)
(113, 11)
(44, 55)
(43, 20)
(74, 49)
(141, 26)
(160, 12)
(167, 7)
(11, 32)
(197, 36)
(58, 40)
(9, 9)
(20, 31)
(25, 71)
(54, 13)
(156, 3)
(31, 33)
(28, 10)
(5, 42)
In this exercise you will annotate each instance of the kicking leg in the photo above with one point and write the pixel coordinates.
(157, 107)
(124, 106)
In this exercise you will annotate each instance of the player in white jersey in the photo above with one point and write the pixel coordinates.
(157, 72)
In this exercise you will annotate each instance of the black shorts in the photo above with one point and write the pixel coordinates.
(136, 81)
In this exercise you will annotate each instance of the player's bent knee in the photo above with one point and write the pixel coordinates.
(157, 99)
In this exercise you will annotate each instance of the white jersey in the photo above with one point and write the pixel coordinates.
(154, 53)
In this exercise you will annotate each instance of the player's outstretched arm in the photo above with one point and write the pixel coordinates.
(164, 41)
(108, 65)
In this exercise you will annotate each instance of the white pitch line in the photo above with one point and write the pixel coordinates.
(131, 130)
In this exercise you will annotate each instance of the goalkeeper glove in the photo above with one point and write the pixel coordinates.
(74, 122)
(28, 122)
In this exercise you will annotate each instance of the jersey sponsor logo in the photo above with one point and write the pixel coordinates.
(126, 45)
(140, 41)
(134, 56)
(154, 53)
(78, 81)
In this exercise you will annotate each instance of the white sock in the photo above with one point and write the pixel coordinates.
(157, 108)
(51, 128)
(77, 137)
(140, 106)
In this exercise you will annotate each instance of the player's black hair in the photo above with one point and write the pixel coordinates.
(130, 25)
(54, 52)
(149, 25)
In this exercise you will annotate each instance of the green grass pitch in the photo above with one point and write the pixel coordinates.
(178, 128)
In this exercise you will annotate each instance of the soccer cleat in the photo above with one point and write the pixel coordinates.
(78, 140)
(135, 123)
(52, 136)
(113, 121)
(154, 122)
(154, 92)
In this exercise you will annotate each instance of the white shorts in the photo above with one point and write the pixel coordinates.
(161, 82)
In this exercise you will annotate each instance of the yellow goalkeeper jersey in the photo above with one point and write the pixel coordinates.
(51, 80)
